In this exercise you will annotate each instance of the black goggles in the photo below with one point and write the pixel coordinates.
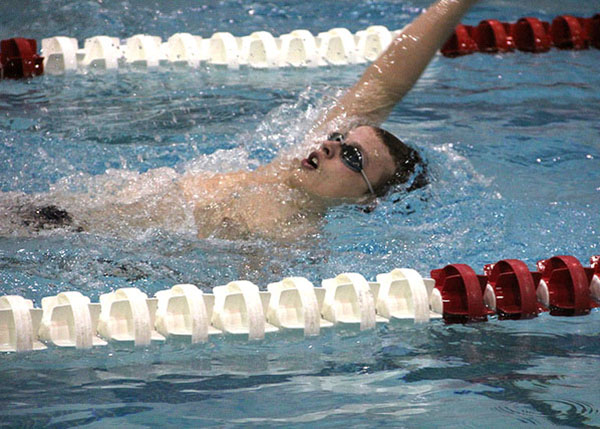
(351, 157)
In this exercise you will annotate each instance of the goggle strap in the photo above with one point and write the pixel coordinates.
(367, 180)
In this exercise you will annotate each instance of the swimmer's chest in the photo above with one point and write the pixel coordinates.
(264, 210)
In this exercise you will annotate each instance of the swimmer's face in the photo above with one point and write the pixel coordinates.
(325, 172)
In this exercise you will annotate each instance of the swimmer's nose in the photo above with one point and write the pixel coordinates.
(329, 148)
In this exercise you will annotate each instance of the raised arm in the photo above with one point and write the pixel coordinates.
(393, 74)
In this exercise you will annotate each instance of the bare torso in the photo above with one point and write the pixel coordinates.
(260, 202)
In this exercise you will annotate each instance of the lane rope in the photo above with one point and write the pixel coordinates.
(299, 48)
(561, 285)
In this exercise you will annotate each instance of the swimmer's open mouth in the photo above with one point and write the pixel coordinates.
(312, 162)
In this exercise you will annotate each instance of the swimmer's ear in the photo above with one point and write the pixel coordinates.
(368, 205)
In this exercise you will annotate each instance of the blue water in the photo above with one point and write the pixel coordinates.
(513, 146)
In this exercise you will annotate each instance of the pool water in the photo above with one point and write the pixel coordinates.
(512, 143)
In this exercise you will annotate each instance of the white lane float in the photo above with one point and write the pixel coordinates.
(349, 299)
(294, 305)
(60, 54)
(183, 311)
(239, 309)
(404, 294)
(127, 315)
(259, 50)
(371, 42)
(70, 320)
(186, 49)
(102, 53)
(337, 47)
(223, 50)
(144, 51)
(19, 324)
(595, 283)
(298, 49)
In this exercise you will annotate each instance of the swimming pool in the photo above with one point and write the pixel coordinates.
(512, 142)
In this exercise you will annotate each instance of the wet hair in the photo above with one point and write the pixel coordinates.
(46, 217)
(410, 170)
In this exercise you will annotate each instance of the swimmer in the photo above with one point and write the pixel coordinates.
(353, 161)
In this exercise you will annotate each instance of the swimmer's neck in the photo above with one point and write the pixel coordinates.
(277, 178)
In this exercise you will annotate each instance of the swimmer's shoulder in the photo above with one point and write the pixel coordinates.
(210, 185)
(204, 185)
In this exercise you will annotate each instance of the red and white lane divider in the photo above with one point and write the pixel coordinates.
(507, 289)
(299, 48)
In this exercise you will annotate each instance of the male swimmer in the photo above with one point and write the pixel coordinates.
(353, 161)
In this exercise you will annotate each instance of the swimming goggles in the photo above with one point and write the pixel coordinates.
(351, 157)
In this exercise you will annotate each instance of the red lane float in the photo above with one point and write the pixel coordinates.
(527, 34)
(568, 33)
(492, 36)
(561, 286)
(461, 291)
(511, 289)
(565, 286)
(531, 35)
(460, 43)
(19, 58)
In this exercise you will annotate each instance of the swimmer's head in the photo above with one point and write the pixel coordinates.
(356, 166)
